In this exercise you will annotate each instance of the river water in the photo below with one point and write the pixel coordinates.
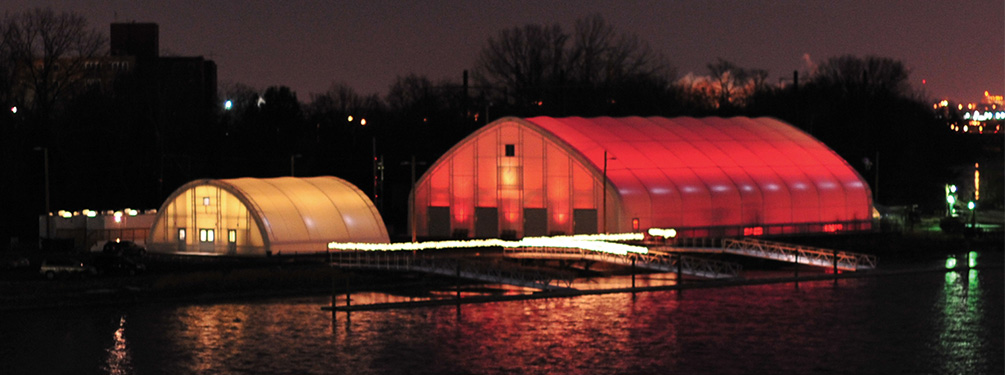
(918, 323)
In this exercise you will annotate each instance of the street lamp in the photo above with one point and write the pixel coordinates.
(411, 203)
(603, 211)
(48, 220)
(973, 217)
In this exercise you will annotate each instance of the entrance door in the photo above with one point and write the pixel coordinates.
(438, 222)
(486, 222)
(182, 238)
(535, 222)
(584, 221)
(207, 240)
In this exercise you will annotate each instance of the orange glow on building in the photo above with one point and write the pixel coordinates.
(511, 217)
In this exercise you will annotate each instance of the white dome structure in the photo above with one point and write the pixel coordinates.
(261, 217)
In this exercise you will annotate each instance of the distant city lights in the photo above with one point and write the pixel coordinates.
(978, 118)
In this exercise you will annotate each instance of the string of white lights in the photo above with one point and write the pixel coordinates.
(591, 242)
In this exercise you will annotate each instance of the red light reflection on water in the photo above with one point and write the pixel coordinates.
(914, 323)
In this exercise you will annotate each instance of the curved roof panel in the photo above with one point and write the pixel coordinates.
(701, 171)
(295, 210)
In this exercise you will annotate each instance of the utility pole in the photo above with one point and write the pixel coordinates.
(48, 218)
(412, 195)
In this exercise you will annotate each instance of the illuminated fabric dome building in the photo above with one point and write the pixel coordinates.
(717, 176)
(259, 217)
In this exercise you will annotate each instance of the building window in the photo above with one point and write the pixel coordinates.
(232, 235)
(205, 201)
(181, 234)
(206, 235)
(510, 150)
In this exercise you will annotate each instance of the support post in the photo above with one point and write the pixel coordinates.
(603, 206)
(331, 273)
(835, 262)
(797, 263)
(458, 284)
(633, 273)
(680, 268)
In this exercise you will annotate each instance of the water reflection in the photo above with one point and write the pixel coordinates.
(922, 323)
(962, 322)
(119, 361)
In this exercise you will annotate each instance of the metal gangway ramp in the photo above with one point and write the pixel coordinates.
(841, 260)
(663, 262)
(449, 266)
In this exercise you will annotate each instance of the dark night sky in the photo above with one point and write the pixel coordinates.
(957, 47)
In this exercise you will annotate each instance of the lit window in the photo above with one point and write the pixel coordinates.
(205, 201)
(232, 235)
(510, 150)
(181, 234)
(206, 235)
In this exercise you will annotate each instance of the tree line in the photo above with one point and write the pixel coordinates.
(107, 149)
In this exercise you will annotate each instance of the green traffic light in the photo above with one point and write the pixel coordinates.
(971, 205)
(973, 259)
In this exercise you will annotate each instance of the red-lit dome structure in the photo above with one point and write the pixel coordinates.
(712, 176)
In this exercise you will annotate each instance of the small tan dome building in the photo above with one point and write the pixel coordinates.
(260, 217)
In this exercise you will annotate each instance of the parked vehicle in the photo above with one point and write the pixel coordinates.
(52, 268)
(124, 248)
(110, 264)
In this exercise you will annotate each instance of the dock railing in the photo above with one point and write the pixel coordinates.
(451, 266)
(664, 262)
(841, 260)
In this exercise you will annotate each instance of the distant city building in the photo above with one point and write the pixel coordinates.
(182, 90)
(140, 40)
